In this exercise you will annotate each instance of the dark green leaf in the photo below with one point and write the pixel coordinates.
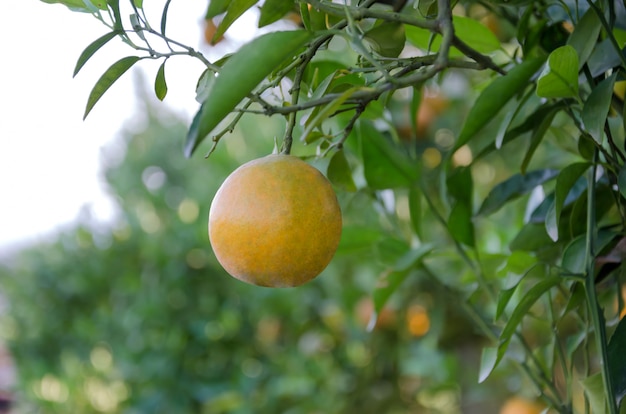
(460, 185)
(564, 183)
(117, 16)
(339, 172)
(107, 79)
(617, 360)
(320, 114)
(274, 10)
(495, 96)
(387, 39)
(160, 85)
(621, 181)
(585, 35)
(384, 164)
(537, 136)
(460, 223)
(522, 309)
(240, 75)
(559, 78)
(531, 238)
(235, 9)
(574, 255)
(91, 49)
(513, 188)
(597, 106)
(164, 15)
(415, 209)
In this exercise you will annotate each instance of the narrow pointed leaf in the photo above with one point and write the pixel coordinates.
(460, 223)
(164, 15)
(585, 35)
(415, 209)
(107, 79)
(537, 136)
(243, 71)
(597, 106)
(216, 7)
(514, 187)
(160, 85)
(488, 361)
(594, 391)
(617, 360)
(117, 16)
(495, 96)
(559, 78)
(91, 49)
(79, 5)
(235, 9)
(564, 183)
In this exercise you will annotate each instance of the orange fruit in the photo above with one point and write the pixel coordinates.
(519, 405)
(275, 221)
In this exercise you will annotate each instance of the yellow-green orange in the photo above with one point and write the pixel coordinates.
(275, 221)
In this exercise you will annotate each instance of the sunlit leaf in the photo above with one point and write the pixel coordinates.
(91, 49)
(216, 7)
(597, 106)
(488, 362)
(495, 96)
(559, 79)
(514, 187)
(241, 73)
(356, 239)
(107, 79)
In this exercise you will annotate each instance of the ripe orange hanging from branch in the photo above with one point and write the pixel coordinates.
(275, 221)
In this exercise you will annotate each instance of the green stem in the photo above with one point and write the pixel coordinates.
(597, 318)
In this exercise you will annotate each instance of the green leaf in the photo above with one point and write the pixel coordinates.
(235, 9)
(387, 39)
(559, 79)
(415, 209)
(160, 85)
(164, 15)
(621, 180)
(564, 183)
(617, 360)
(460, 223)
(339, 172)
(460, 184)
(585, 35)
(384, 164)
(138, 3)
(216, 7)
(107, 79)
(274, 10)
(596, 108)
(356, 239)
(91, 49)
(537, 136)
(80, 5)
(594, 390)
(522, 309)
(574, 255)
(495, 96)
(514, 187)
(488, 362)
(390, 282)
(114, 5)
(239, 76)
(472, 32)
(323, 113)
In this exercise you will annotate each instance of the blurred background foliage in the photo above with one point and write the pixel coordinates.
(138, 316)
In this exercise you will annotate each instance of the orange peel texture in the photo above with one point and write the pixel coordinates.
(275, 221)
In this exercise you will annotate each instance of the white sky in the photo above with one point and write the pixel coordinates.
(49, 156)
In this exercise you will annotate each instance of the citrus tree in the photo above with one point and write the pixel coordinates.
(449, 119)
